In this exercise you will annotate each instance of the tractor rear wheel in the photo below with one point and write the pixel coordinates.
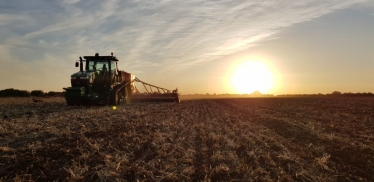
(70, 103)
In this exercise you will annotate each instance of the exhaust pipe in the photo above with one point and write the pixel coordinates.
(81, 64)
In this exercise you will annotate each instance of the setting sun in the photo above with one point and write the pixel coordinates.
(252, 76)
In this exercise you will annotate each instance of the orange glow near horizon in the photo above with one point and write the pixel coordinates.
(252, 75)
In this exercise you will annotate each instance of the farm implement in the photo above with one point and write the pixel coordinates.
(100, 82)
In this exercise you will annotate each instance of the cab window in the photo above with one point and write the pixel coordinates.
(112, 65)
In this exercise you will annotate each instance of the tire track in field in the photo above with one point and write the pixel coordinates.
(199, 126)
(234, 145)
(207, 123)
(231, 146)
(266, 146)
(348, 163)
(252, 146)
(301, 141)
(217, 123)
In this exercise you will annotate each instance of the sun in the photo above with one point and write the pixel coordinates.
(252, 76)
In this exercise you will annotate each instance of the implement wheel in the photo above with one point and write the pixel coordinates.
(128, 94)
(114, 99)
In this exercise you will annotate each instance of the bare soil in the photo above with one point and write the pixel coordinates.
(255, 139)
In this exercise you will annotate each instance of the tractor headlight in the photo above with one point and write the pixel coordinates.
(73, 77)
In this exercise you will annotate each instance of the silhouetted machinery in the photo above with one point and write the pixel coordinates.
(99, 81)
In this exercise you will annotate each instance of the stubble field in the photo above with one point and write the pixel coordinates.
(258, 139)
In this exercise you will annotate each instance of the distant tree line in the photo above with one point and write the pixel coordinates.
(10, 92)
(258, 94)
(350, 94)
(254, 94)
(333, 94)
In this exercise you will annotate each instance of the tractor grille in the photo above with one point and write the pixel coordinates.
(79, 82)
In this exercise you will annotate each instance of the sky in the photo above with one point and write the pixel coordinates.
(196, 46)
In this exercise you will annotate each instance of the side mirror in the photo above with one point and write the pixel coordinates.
(76, 64)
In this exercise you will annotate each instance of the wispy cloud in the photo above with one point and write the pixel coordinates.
(170, 34)
(70, 1)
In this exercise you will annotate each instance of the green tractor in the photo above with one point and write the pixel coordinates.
(99, 82)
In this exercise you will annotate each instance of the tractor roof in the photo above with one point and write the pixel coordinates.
(106, 58)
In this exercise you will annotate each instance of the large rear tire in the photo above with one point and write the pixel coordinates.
(74, 102)
(70, 103)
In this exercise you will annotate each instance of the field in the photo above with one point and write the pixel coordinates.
(258, 139)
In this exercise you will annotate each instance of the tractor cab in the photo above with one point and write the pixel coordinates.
(101, 64)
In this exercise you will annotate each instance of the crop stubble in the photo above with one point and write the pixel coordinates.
(259, 139)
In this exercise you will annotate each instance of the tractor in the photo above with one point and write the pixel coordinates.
(100, 82)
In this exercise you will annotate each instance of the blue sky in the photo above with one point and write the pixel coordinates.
(313, 46)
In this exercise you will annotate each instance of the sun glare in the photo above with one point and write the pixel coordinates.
(252, 76)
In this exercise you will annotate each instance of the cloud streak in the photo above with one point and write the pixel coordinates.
(172, 35)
